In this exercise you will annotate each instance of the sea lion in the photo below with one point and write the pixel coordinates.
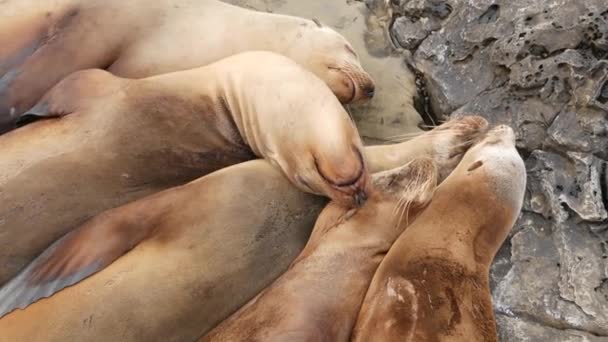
(108, 141)
(258, 246)
(44, 41)
(433, 285)
(318, 297)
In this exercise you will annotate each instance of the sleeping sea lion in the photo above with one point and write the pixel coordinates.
(44, 41)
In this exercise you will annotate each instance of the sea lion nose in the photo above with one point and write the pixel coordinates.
(360, 198)
(369, 91)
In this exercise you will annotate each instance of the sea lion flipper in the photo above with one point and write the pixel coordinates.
(69, 95)
(74, 257)
(39, 111)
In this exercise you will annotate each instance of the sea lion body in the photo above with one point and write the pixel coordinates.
(207, 216)
(433, 285)
(44, 41)
(117, 140)
(318, 297)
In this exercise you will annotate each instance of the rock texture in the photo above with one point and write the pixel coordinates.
(541, 67)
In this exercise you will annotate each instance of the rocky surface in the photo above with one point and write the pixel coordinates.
(541, 67)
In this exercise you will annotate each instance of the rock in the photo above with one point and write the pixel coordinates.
(541, 68)
(408, 34)
(517, 330)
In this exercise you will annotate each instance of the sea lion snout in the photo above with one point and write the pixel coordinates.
(365, 88)
(348, 178)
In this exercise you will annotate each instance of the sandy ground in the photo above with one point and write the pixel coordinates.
(391, 112)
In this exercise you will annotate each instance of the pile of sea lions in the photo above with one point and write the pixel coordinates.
(181, 170)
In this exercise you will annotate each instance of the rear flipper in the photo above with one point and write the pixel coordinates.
(68, 44)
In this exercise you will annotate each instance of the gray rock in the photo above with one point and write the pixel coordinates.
(540, 67)
(408, 34)
(519, 330)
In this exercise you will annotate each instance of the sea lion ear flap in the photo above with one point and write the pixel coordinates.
(74, 257)
(415, 181)
(317, 22)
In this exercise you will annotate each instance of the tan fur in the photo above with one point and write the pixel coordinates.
(44, 41)
(197, 238)
(438, 269)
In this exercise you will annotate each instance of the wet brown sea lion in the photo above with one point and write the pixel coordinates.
(44, 41)
(116, 140)
(319, 296)
(201, 225)
(433, 285)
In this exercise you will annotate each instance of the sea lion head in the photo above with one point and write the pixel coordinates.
(332, 58)
(334, 166)
(490, 182)
(494, 160)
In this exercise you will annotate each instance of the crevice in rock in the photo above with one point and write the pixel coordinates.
(422, 101)
(490, 15)
(604, 184)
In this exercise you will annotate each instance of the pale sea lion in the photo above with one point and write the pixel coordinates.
(44, 41)
(318, 297)
(433, 285)
(116, 140)
(179, 227)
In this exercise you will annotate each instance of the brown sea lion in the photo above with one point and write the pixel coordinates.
(318, 297)
(43, 41)
(109, 141)
(201, 225)
(433, 285)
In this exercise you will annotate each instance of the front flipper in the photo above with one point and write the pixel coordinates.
(74, 257)
(70, 95)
